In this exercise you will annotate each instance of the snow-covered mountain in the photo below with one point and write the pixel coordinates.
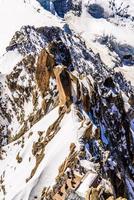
(66, 100)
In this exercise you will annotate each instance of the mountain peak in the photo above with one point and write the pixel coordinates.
(66, 100)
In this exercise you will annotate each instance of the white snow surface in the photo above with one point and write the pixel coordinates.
(128, 72)
(16, 13)
(8, 61)
(55, 153)
(13, 15)
(90, 28)
(87, 182)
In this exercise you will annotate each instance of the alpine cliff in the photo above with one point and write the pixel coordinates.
(66, 100)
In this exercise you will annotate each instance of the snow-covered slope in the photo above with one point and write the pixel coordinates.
(66, 100)
(92, 26)
(46, 173)
(17, 13)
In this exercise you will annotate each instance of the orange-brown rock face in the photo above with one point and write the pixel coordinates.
(64, 85)
(86, 102)
(44, 70)
(131, 100)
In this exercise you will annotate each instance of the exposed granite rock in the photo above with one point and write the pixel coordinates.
(64, 85)
(44, 70)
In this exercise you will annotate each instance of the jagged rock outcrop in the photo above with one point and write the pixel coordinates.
(61, 7)
(66, 119)
(61, 52)
(44, 71)
(64, 85)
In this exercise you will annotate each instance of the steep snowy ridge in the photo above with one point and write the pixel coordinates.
(66, 100)
(17, 13)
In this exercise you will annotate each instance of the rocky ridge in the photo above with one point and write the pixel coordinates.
(60, 82)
